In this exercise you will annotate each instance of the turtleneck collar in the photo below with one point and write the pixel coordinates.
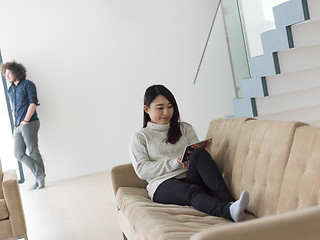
(158, 127)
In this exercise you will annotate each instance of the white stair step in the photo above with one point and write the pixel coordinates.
(288, 102)
(298, 59)
(306, 33)
(308, 115)
(314, 9)
(293, 81)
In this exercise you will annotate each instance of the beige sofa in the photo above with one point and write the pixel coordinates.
(12, 221)
(277, 162)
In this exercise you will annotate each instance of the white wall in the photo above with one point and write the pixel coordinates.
(92, 61)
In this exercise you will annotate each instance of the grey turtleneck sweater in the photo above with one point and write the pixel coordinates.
(153, 159)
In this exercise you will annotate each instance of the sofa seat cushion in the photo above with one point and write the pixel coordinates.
(3, 210)
(150, 220)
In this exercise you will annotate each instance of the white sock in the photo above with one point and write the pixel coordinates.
(238, 207)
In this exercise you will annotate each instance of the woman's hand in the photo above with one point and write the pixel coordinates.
(184, 164)
(208, 145)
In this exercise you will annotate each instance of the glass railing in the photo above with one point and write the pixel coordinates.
(257, 18)
(245, 20)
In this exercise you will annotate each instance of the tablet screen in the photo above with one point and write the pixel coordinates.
(188, 149)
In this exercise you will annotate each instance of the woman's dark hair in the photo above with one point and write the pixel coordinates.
(16, 68)
(151, 93)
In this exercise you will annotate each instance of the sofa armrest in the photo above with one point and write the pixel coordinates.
(12, 197)
(296, 225)
(125, 176)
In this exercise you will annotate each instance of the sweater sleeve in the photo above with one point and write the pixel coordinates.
(145, 168)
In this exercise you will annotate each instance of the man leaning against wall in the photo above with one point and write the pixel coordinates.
(24, 101)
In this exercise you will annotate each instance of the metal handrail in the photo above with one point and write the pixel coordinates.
(205, 47)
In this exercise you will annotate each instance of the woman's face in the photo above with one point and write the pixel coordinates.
(160, 110)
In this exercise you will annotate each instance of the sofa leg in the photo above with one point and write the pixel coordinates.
(124, 237)
(24, 237)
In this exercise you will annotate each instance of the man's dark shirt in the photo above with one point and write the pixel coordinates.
(21, 96)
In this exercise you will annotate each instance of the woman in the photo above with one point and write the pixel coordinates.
(156, 150)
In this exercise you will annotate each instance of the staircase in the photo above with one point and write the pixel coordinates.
(285, 82)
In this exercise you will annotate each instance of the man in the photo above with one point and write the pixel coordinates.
(23, 97)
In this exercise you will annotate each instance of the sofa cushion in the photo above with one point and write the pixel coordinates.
(301, 182)
(6, 230)
(259, 164)
(3, 210)
(225, 133)
(150, 220)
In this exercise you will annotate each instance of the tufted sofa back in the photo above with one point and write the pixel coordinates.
(301, 181)
(225, 133)
(260, 161)
(278, 162)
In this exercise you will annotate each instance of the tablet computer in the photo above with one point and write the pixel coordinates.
(189, 148)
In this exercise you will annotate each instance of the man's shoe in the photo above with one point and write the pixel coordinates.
(34, 186)
(41, 182)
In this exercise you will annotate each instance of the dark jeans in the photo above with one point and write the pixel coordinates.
(203, 188)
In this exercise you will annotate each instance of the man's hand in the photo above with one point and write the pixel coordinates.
(24, 122)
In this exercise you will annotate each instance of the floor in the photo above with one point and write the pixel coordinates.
(77, 209)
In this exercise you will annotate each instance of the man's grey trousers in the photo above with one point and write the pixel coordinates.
(26, 137)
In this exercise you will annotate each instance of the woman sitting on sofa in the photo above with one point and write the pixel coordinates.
(156, 150)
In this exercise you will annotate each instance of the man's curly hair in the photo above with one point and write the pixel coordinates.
(16, 68)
